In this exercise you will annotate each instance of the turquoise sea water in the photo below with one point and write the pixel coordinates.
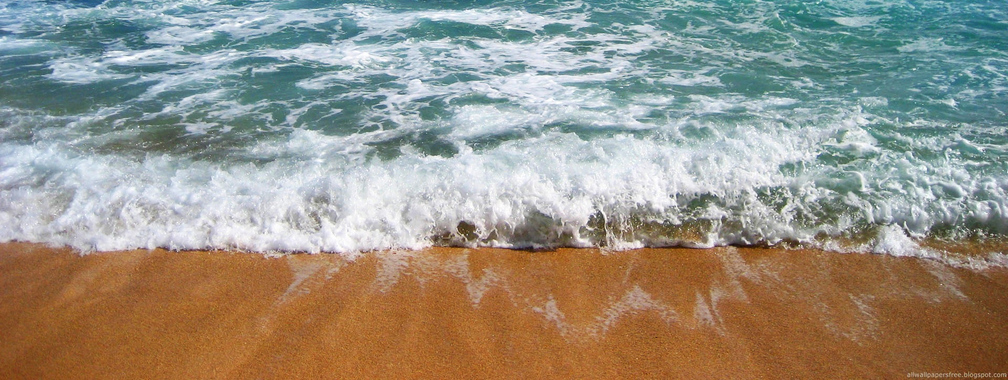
(347, 126)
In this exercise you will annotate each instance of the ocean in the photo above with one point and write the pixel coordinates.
(350, 126)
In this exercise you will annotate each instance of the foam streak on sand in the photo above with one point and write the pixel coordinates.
(723, 312)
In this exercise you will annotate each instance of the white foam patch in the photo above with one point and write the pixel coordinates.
(12, 45)
(703, 314)
(635, 300)
(691, 78)
(322, 82)
(477, 284)
(857, 21)
(382, 21)
(927, 45)
(180, 35)
(857, 142)
(552, 313)
(477, 121)
(151, 56)
(892, 240)
(391, 268)
(82, 71)
(340, 55)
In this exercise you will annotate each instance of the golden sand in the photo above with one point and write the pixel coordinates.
(488, 313)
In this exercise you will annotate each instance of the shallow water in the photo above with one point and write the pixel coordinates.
(348, 126)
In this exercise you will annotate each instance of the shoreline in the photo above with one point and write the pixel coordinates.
(669, 312)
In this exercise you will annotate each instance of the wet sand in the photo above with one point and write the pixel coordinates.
(653, 313)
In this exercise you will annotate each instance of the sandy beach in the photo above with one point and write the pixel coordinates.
(490, 313)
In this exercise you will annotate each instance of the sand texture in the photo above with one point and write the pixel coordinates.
(488, 313)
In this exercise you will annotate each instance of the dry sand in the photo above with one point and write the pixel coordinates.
(653, 313)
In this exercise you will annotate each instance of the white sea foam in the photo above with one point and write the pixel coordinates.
(211, 206)
(179, 35)
(691, 78)
(522, 193)
(927, 45)
(857, 21)
(82, 71)
(341, 55)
